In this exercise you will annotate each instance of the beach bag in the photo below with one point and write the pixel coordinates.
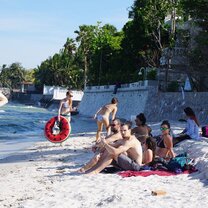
(205, 131)
(179, 163)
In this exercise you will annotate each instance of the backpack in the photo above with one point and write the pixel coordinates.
(179, 163)
(204, 131)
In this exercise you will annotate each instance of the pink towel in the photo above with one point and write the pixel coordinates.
(146, 173)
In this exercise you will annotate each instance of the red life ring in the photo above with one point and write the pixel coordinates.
(64, 130)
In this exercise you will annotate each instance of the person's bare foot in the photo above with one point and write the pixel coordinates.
(81, 170)
(92, 173)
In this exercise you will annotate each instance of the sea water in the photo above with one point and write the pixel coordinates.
(21, 126)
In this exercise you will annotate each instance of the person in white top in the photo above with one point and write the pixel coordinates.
(3, 99)
(65, 107)
(192, 127)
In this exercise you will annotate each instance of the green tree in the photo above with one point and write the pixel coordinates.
(61, 69)
(29, 75)
(86, 39)
(198, 69)
(12, 76)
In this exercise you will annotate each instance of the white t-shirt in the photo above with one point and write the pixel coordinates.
(192, 129)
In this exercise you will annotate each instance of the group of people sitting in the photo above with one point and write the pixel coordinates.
(134, 148)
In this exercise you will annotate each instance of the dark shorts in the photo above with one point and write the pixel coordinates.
(126, 163)
(180, 138)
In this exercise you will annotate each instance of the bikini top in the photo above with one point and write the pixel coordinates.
(66, 104)
(160, 142)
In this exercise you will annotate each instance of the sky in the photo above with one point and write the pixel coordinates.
(33, 30)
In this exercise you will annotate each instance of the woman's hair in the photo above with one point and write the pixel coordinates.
(151, 144)
(114, 100)
(166, 122)
(69, 93)
(142, 118)
(190, 113)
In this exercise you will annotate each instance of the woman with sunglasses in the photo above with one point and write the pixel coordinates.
(165, 142)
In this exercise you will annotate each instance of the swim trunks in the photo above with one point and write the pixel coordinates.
(127, 163)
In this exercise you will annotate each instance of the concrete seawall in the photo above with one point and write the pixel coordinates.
(145, 97)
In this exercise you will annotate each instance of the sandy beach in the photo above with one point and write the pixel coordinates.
(44, 175)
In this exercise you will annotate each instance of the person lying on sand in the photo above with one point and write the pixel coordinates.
(125, 153)
(3, 99)
(98, 148)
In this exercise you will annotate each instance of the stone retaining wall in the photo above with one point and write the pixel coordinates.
(156, 105)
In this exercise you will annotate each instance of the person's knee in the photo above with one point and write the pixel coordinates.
(98, 131)
(97, 157)
(115, 157)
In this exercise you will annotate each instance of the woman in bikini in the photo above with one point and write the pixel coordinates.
(102, 117)
(149, 148)
(165, 142)
(65, 107)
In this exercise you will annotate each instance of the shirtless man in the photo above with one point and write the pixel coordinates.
(65, 107)
(3, 99)
(98, 148)
(141, 131)
(102, 116)
(127, 153)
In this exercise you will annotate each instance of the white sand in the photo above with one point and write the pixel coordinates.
(44, 176)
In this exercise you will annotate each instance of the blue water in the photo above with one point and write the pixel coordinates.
(21, 126)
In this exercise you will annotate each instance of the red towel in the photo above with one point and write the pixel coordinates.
(146, 173)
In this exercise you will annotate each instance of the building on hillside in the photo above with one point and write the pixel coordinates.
(27, 87)
(174, 62)
(53, 95)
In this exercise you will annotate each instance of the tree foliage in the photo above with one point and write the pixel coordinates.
(12, 76)
(101, 55)
(197, 10)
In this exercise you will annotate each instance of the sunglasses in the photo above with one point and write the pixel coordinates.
(163, 128)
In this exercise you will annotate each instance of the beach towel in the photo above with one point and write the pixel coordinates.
(145, 173)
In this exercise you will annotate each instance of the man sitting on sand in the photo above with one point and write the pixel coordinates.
(126, 153)
(98, 148)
